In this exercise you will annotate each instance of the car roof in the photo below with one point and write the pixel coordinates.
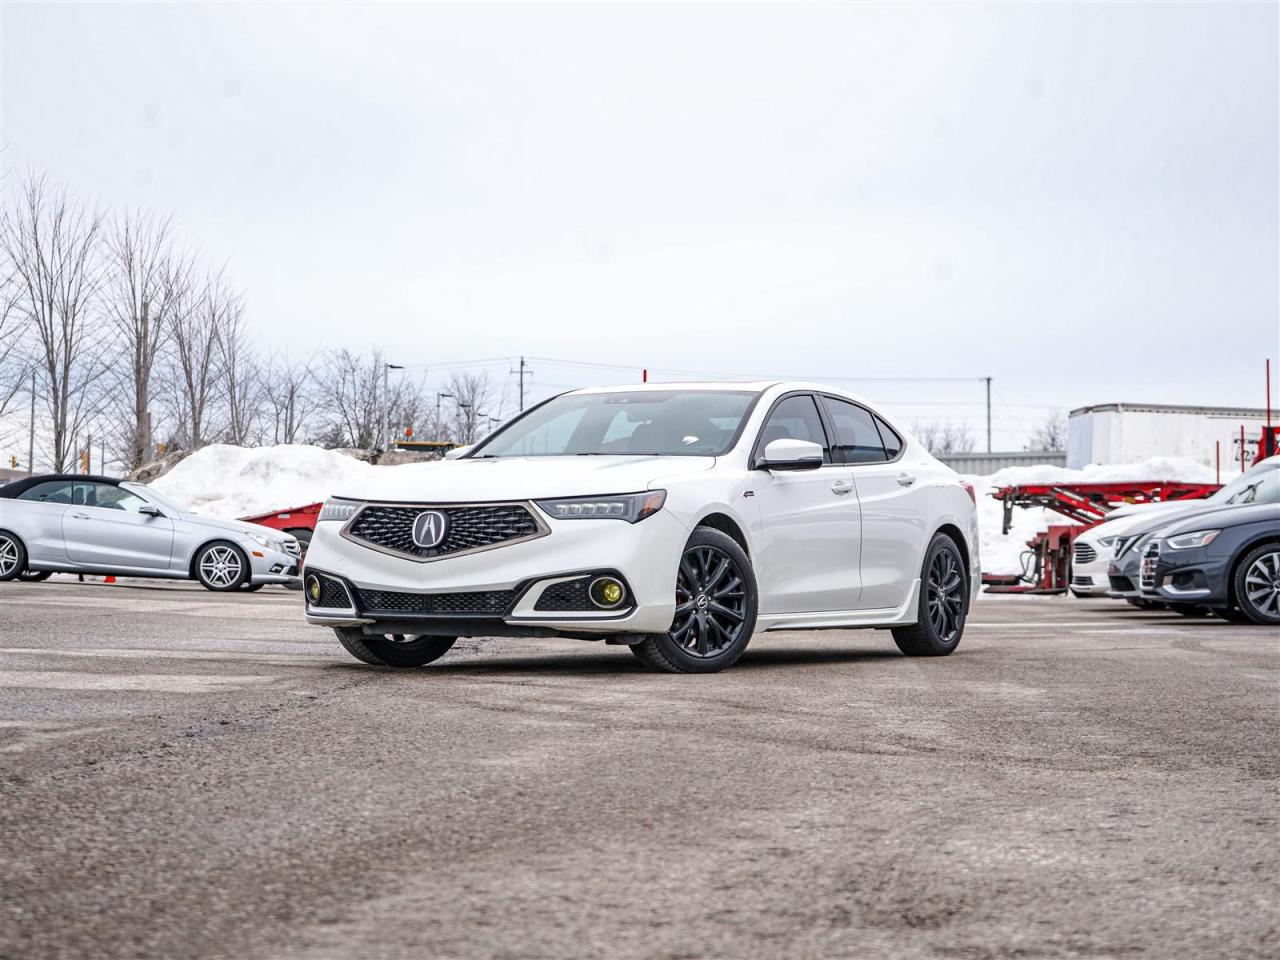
(16, 487)
(1229, 516)
(747, 386)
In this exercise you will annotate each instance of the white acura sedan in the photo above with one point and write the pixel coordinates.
(676, 519)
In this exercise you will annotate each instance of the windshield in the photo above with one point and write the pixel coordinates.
(686, 423)
(151, 494)
(1259, 485)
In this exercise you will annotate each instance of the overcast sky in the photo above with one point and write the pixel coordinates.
(1078, 200)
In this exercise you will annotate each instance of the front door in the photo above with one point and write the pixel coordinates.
(809, 526)
(103, 528)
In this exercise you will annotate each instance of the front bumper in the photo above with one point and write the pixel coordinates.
(271, 566)
(1187, 576)
(506, 583)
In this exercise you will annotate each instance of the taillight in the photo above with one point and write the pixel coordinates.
(968, 488)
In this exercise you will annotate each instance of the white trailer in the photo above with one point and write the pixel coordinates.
(1130, 432)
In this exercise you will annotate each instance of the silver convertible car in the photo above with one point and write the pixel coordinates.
(80, 524)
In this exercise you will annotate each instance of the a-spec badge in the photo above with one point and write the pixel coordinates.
(430, 528)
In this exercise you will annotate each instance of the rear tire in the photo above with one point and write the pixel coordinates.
(35, 576)
(716, 604)
(1255, 585)
(13, 556)
(1190, 610)
(943, 604)
(388, 651)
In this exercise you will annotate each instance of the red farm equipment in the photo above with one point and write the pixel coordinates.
(1046, 564)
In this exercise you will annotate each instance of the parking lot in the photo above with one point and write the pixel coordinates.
(188, 774)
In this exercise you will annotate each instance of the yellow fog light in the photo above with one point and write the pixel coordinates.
(607, 592)
(313, 588)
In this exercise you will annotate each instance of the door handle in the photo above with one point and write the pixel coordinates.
(906, 479)
(842, 487)
(80, 516)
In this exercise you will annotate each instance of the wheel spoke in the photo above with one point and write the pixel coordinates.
(723, 611)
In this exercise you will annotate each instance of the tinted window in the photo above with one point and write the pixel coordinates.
(51, 491)
(795, 418)
(892, 442)
(857, 439)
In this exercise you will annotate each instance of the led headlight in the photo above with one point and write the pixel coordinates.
(1197, 538)
(631, 507)
(340, 510)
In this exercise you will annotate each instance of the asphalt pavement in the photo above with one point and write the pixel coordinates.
(184, 774)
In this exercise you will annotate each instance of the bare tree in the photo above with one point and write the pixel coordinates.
(53, 248)
(239, 380)
(944, 438)
(147, 285)
(472, 393)
(351, 396)
(288, 386)
(1051, 434)
(196, 361)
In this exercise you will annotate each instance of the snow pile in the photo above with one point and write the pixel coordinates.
(232, 482)
(1002, 554)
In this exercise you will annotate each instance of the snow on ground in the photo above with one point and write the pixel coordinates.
(1003, 554)
(227, 481)
(232, 482)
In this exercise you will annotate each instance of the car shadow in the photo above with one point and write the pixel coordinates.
(615, 660)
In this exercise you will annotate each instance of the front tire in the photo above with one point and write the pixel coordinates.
(13, 556)
(943, 605)
(394, 650)
(221, 566)
(716, 604)
(1256, 584)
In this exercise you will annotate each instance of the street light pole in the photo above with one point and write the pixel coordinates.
(466, 438)
(438, 421)
(386, 404)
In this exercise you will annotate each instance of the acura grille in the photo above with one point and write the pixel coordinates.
(469, 528)
(475, 603)
(1085, 553)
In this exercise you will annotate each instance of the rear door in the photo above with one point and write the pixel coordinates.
(893, 500)
(38, 514)
(103, 528)
(809, 526)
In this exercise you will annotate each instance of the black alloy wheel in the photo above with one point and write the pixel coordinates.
(715, 611)
(943, 605)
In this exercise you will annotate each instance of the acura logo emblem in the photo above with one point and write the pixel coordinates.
(430, 528)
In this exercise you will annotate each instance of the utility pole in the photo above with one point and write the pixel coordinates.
(386, 405)
(522, 370)
(31, 437)
(439, 424)
(988, 379)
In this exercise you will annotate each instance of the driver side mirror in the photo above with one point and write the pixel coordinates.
(787, 454)
(150, 510)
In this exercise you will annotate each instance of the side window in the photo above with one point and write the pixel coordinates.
(795, 418)
(857, 439)
(111, 498)
(51, 491)
(892, 442)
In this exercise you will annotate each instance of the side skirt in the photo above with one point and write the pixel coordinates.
(901, 616)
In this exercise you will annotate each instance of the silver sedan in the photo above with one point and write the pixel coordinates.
(79, 524)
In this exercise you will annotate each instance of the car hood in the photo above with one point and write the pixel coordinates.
(230, 526)
(521, 478)
(1229, 516)
(1137, 510)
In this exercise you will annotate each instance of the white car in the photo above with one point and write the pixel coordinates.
(77, 524)
(1095, 548)
(675, 519)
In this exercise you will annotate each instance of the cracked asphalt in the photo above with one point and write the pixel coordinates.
(193, 775)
